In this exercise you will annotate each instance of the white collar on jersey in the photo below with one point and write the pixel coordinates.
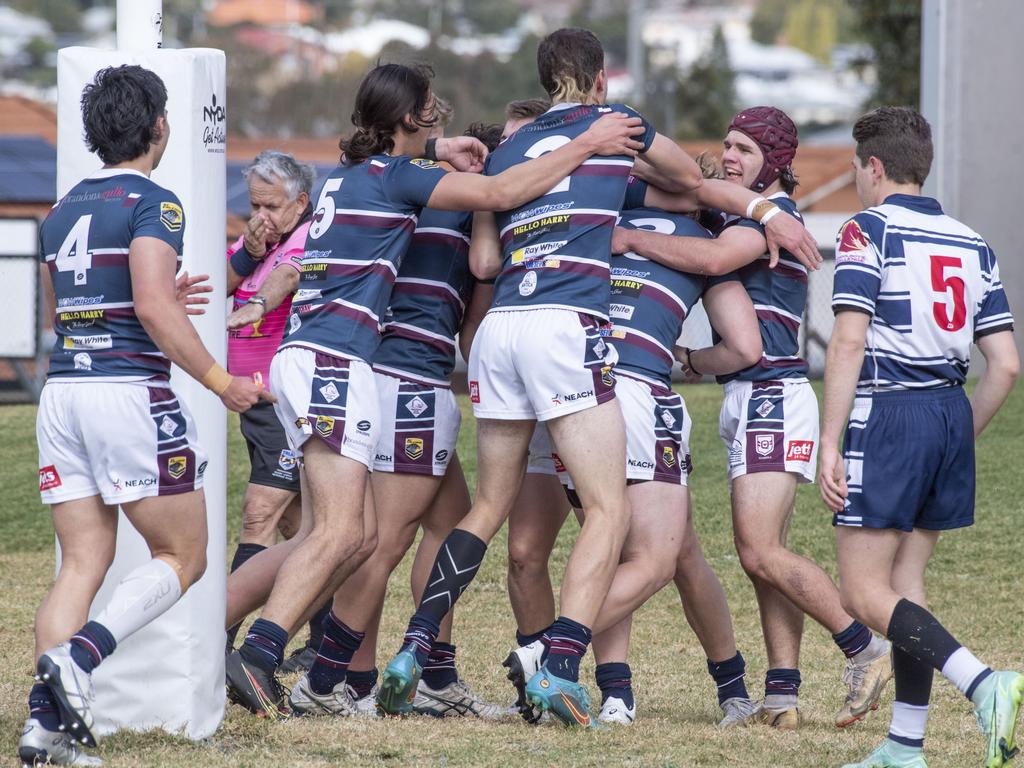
(563, 105)
(106, 173)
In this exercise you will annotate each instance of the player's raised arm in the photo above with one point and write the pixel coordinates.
(613, 134)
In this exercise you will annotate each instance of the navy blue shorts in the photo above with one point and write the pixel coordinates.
(910, 461)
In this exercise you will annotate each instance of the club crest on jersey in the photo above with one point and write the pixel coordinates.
(668, 456)
(528, 284)
(325, 425)
(171, 216)
(764, 445)
(413, 448)
(176, 466)
(422, 162)
(852, 238)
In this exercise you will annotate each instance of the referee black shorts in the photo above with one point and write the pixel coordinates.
(273, 462)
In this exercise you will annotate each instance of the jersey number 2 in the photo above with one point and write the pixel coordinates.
(542, 147)
(943, 283)
(73, 254)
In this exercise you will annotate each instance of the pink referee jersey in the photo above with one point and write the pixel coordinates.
(251, 348)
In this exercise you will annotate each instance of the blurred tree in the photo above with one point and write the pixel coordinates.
(893, 30)
(490, 16)
(65, 16)
(814, 26)
(609, 21)
(336, 12)
(706, 96)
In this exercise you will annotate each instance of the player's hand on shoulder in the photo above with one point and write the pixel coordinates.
(832, 478)
(789, 233)
(187, 290)
(613, 134)
(464, 153)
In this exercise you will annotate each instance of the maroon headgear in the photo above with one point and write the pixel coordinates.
(775, 134)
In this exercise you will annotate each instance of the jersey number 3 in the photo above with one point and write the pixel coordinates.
(943, 283)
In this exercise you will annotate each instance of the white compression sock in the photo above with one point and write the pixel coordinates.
(143, 595)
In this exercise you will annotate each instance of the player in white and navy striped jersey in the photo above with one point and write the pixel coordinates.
(913, 289)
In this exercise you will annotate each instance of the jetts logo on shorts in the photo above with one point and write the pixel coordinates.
(559, 466)
(474, 391)
(176, 466)
(286, 460)
(764, 445)
(799, 450)
(325, 425)
(48, 478)
(668, 456)
(413, 448)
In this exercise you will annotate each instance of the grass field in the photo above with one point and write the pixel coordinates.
(973, 582)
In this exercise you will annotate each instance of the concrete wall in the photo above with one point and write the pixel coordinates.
(971, 93)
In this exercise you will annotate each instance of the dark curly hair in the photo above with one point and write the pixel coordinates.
(387, 94)
(119, 111)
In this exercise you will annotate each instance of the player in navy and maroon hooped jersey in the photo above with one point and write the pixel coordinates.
(914, 289)
(417, 478)
(538, 354)
(769, 421)
(362, 224)
(110, 430)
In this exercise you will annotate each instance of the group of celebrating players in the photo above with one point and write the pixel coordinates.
(562, 254)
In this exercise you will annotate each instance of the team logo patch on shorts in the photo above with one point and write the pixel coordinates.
(668, 419)
(171, 216)
(363, 426)
(168, 426)
(559, 466)
(441, 455)
(800, 450)
(474, 391)
(765, 408)
(413, 448)
(176, 466)
(301, 422)
(286, 460)
(48, 478)
(325, 425)
(764, 445)
(201, 468)
(330, 392)
(606, 376)
(416, 406)
(668, 456)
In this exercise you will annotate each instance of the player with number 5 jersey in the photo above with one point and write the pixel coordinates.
(362, 225)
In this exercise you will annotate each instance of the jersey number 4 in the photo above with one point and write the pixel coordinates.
(73, 254)
(943, 283)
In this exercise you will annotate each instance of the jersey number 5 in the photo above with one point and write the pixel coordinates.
(943, 283)
(324, 215)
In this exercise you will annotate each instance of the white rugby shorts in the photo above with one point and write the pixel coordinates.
(419, 427)
(539, 364)
(657, 431)
(770, 426)
(121, 441)
(332, 398)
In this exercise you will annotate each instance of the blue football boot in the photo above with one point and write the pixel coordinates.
(398, 683)
(567, 701)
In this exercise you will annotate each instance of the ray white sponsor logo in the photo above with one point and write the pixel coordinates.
(102, 341)
(621, 311)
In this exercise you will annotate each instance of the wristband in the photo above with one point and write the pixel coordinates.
(753, 204)
(430, 153)
(770, 215)
(689, 363)
(243, 263)
(217, 380)
(258, 299)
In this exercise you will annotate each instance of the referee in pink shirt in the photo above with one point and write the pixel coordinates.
(263, 273)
